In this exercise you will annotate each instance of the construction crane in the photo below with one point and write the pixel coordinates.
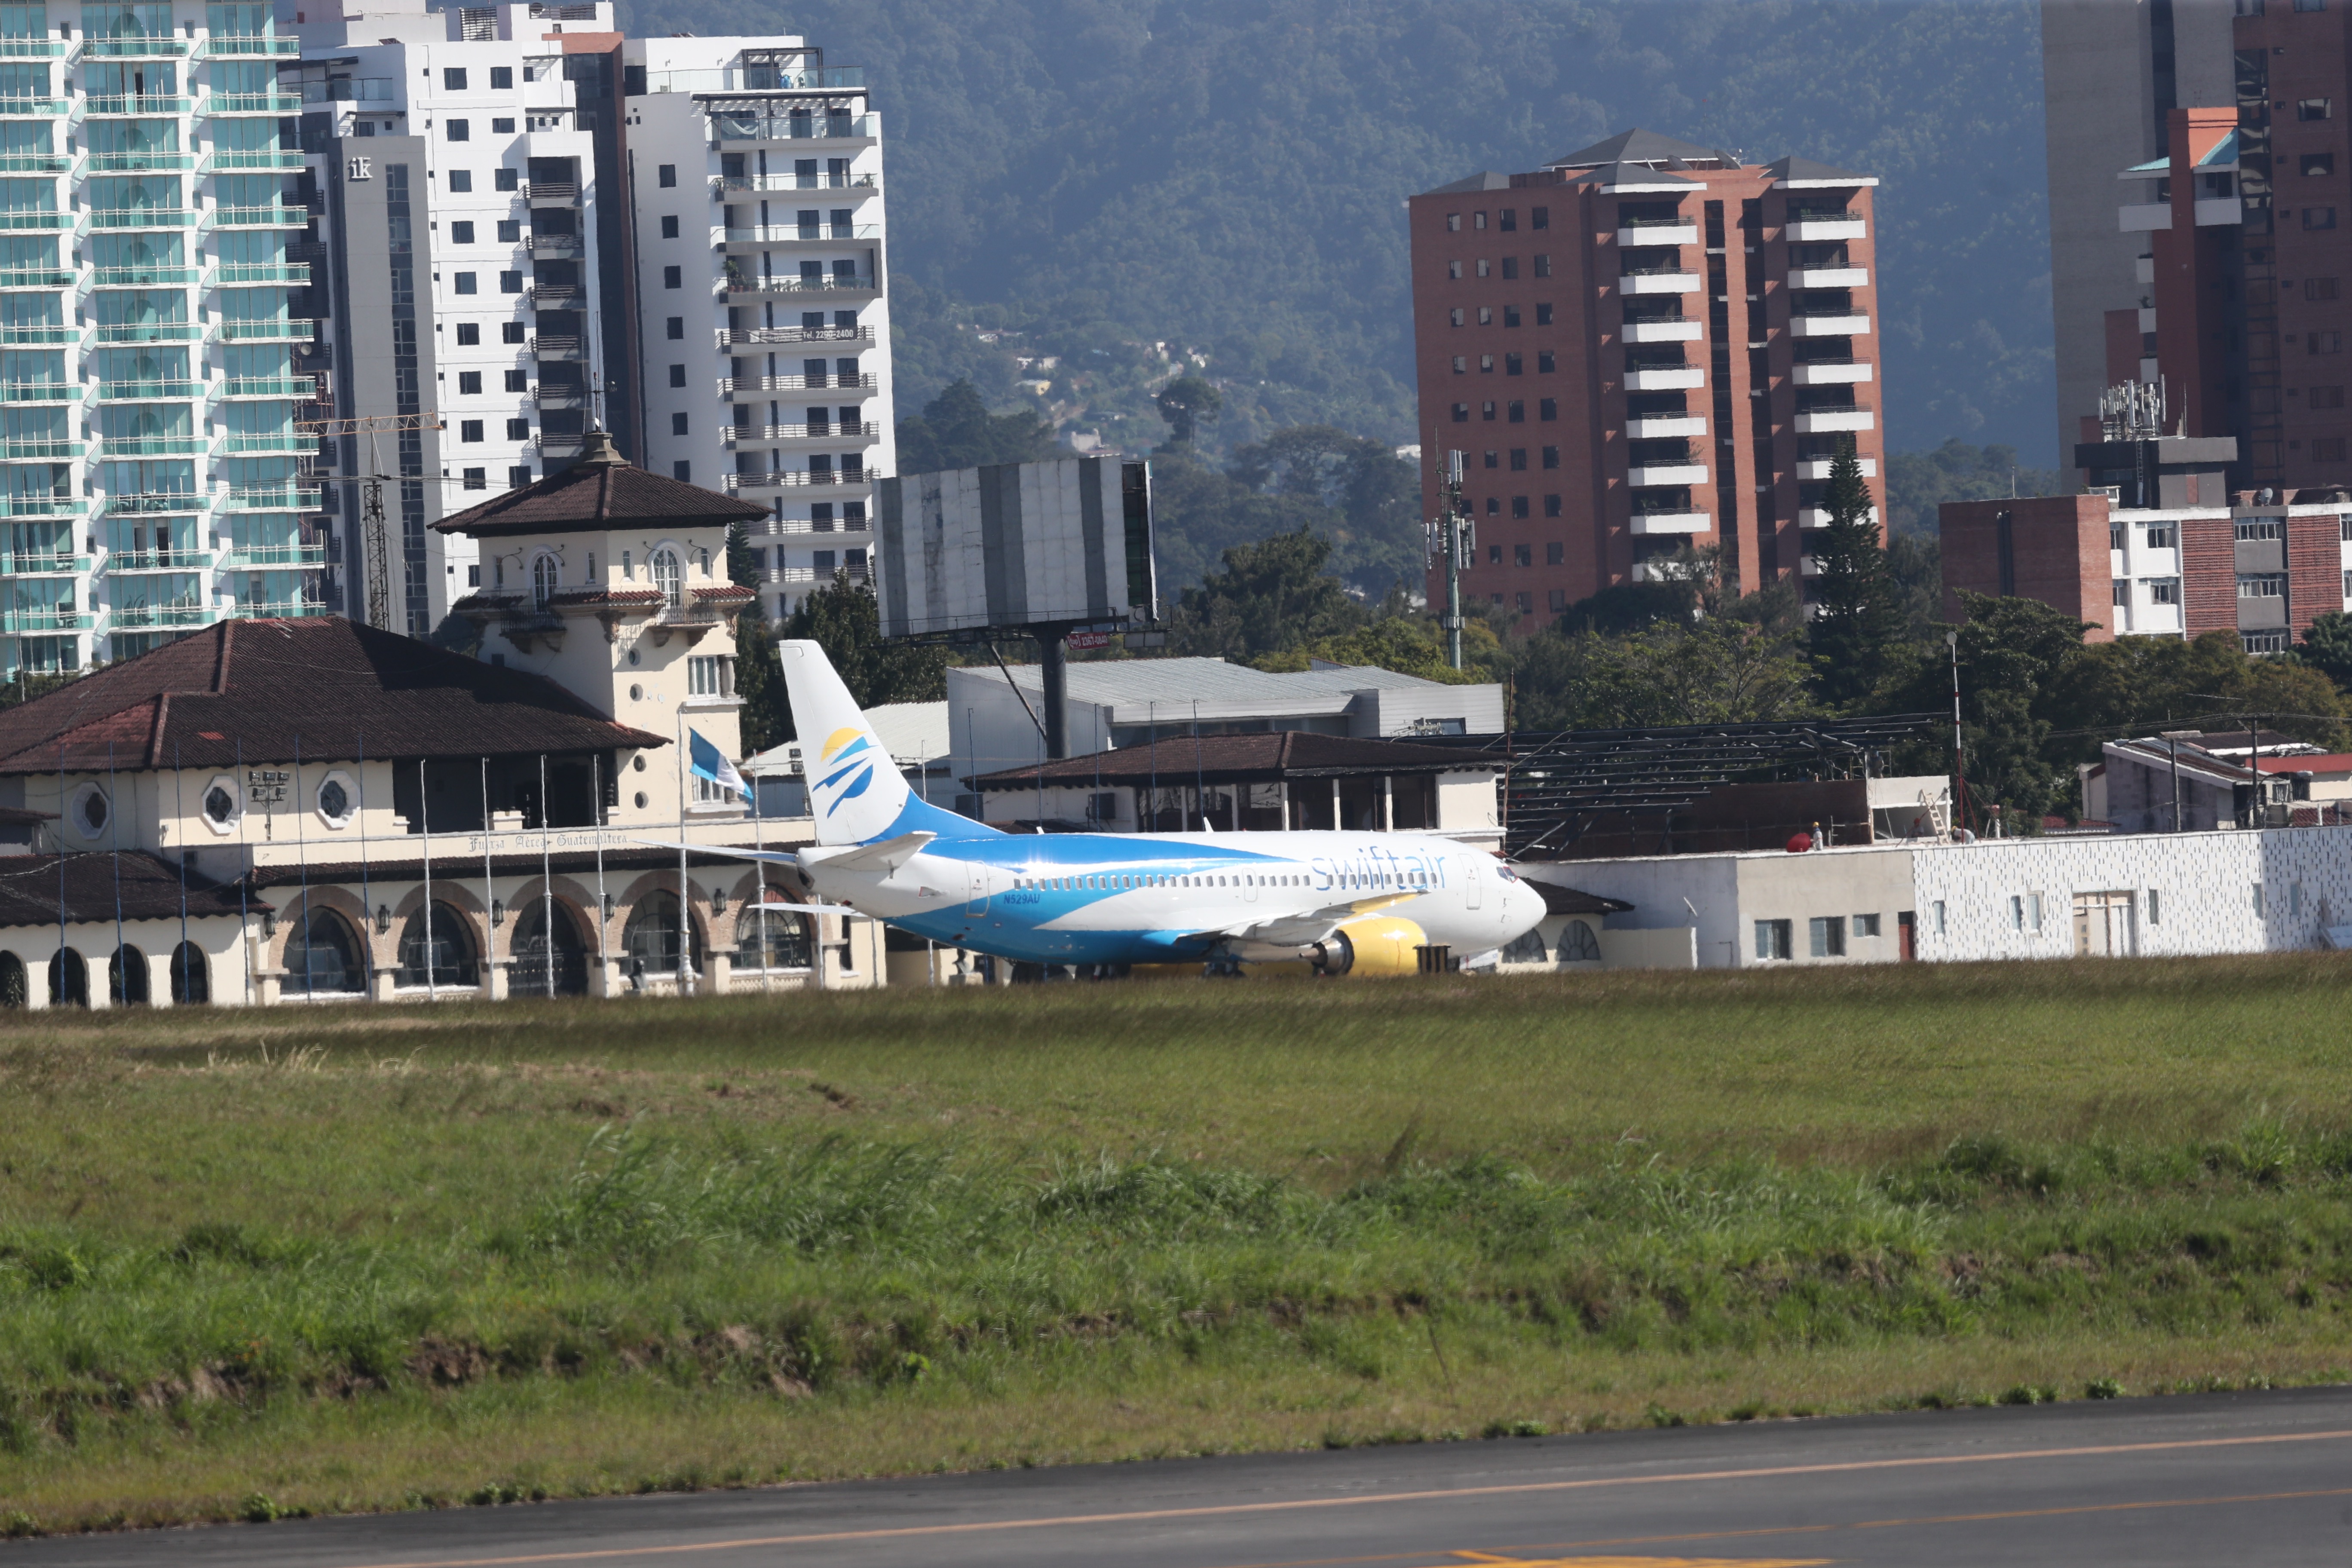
(372, 529)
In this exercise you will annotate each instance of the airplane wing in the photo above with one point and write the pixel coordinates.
(888, 855)
(1300, 927)
(775, 856)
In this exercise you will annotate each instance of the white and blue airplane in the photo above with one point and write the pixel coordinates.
(1343, 902)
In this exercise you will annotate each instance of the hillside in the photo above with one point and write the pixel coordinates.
(1089, 180)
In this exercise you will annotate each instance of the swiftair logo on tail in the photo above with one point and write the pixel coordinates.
(853, 751)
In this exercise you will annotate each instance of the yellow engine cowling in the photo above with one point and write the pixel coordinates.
(1377, 944)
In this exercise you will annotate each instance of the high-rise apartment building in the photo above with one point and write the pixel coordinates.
(1643, 345)
(536, 226)
(152, 247)
(2111, 71)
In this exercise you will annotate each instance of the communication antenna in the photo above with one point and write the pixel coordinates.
(2132, 411)
(1452, 537)
(372, 543)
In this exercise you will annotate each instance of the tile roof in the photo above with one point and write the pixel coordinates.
(599, 490)
(253, 690)
(1639, 146)
(1226, 759)
(148, 888)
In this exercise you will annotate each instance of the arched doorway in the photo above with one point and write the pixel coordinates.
(14, 992)
(126, 977)
(192, 976)
(650, 939)
(547, 955)
(323, 957)
(436, 948)
(68, 980)
(771, 938)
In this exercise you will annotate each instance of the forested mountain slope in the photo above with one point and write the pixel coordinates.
(1084, 179)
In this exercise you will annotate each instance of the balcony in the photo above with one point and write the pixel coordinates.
(149, 391)
(269, 216)
(258, 275)
(284, 159)
(129, 562)
(144, 277)
(1662, 330)
(1667, 474)
(1666, 378)
(42, 563)
(144, 217)
(36, 49)
(1829, 373)
(166, 47)
(40, 392)
(556, 297)
(36, 162)
(273, 609)
(269, 498)
(133, 617)
(168, 503)
(39, 451)
(1648, 427)
(22, 222)
(15, 623)
(238, 388)
(557, 348)
(792, 128)
(35, 107)
(551, 193)
(853, 434)
(137, 106)
(266, 331)
(42, 506)
(1654, 231)
(772, 335)
(1657, 522)
(160, 163)
(151, 447)
(791, 234)
(1811, 228)
(834, 284)
(277, 443)
(1819, 468)
(1658, 282)
(856, 186)
(1819, 516)
(559, 244)
(145, 332)
(246, 46)
(729, 386)
(1846, 326)
(2144, 218)
(281, 557)
(1829, 278)
(278, 105)
(1824, 420)
(795, 478)
(36, 277)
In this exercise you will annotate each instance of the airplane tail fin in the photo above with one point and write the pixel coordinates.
(855, 791)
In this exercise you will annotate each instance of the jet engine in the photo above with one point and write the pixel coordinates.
(1374, 945)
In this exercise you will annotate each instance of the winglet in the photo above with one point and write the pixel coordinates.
(885, 857)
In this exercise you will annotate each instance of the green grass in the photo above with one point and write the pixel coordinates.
(304, 1260)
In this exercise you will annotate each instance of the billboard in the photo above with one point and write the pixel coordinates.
(1066, 542)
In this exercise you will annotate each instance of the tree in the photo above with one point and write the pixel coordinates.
(957, 431)
(1918, 483)
(1187, 403)
(1856, 617)
(1374, 494)
(845, 620)
(1272, 595)
(758, 680)
(2327, 646)
(1409, 644)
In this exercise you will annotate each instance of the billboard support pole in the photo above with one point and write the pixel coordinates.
(1054, 668)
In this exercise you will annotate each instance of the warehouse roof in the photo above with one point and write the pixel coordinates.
(1229, 759)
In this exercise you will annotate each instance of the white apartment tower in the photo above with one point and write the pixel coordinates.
(535, 226)
(152, 248)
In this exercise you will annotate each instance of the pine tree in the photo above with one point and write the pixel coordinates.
(759, 682)
(1855, 615)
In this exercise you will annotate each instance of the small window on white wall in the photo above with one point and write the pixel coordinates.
(2155, 907)
(1939, 917)
(2258, 901)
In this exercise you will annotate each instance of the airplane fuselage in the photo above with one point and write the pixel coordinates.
(1103, 898)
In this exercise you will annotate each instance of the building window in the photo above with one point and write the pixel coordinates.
(674, 328)
(1519, 412)
(669, 228)
(2319, 217)
(510, 332)
(2119, 592)
(1453, 223)
(516, 477)
(1454, 270)
(1513, 365)
(2262, 585)
(2155, 907)
(709, 674)
(2327, 450)
(2320, 291)
(682, 470)
(1543, 315)
(1494, 509)
(501, 78)
(2318, 164)
(469, 382)
(1519, 509)
(1523, 554)
(510, 231)
(1485, 364)
(677, 423)
(1543, 266)
(1551, 457)
(1545, 364)
(1559, 600)
(2263, 642)
(2311, 4)
(673, 277)
(1519, 459)
(2324, 343)
(1772, 939)
(1510, 315)
(2254, 528)
(459, 130)
(1556, 552)
(1540, 217)
(2312, 108)
(1510, 217)
(453, 79)
(505, 179)
(1493, 458)
(2159, 536)
(1478, 220)
(1461, 364)
(478, 479)
(1485, 267)
(510, 282)
(1827, 936)
(665, 175)
(501, 126)
(519, 430)
(1526, 604)
(1865, 925)
(469, 334)
(1454, 315)
(1510, 267)
(1485, 411)
(463, 282)
(2258, 901)
(517, 381)
(1548, 409)
(1551, 506)
(1462, 413)
(469, 430)
(1486, 315)
(1939, 917)
(677, 375)
(2162, 590)
(461, 234)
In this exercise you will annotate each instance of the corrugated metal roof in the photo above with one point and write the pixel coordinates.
(1120, 683)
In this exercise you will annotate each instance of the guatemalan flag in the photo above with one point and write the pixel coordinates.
(706, 760)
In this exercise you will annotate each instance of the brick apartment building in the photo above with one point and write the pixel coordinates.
(1643, 345)
(2247, 214)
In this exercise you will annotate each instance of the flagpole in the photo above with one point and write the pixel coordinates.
(425, 820)
(546, 880)
(489, 901)
(685, 919)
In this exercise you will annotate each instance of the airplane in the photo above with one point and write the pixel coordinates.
(1342, 902)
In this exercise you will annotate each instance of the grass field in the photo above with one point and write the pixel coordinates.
(253, 1263)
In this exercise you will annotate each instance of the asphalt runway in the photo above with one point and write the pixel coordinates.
(2204, 1479)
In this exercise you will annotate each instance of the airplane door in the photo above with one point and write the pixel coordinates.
(1249, 890)
(1474, 885)
(979, 879)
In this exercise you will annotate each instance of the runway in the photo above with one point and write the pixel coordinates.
(2203, 1479)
